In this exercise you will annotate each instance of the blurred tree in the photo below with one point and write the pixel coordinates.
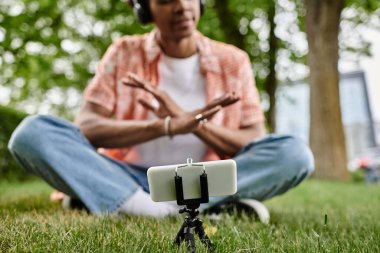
(256, 28)
(49, 49)
(358, 17)
(326, 130)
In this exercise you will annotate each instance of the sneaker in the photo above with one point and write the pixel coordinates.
(247, 206)
(251, 206)
(71, 203)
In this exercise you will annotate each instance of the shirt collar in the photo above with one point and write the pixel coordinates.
(208, 61)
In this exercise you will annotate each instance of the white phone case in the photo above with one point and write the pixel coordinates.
(221, 177)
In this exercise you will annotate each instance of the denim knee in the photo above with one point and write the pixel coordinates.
(298, 156)
(29, 135)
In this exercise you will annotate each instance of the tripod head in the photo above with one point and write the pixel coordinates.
(191, 210)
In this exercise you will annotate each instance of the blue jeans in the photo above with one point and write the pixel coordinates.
(56, 150)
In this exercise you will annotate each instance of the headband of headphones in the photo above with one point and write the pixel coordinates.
(142, 10)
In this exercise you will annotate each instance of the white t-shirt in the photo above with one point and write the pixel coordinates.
(183, 81)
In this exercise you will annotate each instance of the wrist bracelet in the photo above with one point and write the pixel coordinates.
(167, 126)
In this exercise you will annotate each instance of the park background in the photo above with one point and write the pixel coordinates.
(299, 51)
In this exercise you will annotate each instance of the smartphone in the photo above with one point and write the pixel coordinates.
(221, 177)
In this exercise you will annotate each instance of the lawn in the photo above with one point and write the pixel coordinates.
(318, 216)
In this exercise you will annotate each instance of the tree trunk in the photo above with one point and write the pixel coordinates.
(229, 24)
(326, 128)
(230, 27)
(270, 84)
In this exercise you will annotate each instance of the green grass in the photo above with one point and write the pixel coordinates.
(30, 223)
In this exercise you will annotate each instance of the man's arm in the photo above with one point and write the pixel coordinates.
(102, 131)
(227, 141)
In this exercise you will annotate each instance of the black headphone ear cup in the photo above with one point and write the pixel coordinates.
(143, 15)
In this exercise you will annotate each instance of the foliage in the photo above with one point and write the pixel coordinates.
(50, 45)
(359, 18)
(367, 5)
(9, 169)
(358, 176)
(318, 216)
(49, 49)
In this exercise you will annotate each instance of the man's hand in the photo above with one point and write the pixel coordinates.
(167, 106)
(182, 122)
(223, 101)
(190, 121)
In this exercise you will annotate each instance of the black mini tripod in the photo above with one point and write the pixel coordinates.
(191, 223)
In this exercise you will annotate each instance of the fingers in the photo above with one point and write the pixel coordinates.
(147, 105)
(224, 100)
(135, 81)
(231, 99)
(167, 104)
(208, 114)
(189, 122)
(132, 81)
(216, 101)
(216, 105)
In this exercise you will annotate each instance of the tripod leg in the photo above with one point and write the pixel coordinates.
(202, 234)
(180, 235)
(189, 239)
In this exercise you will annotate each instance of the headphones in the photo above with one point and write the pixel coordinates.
(143, 14)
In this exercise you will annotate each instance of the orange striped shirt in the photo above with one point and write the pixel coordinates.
(225, 68)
